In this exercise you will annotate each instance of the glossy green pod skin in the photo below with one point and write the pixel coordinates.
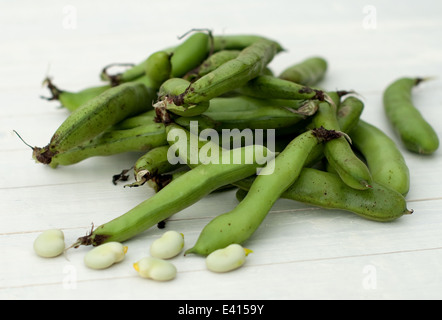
(135, 121)
(339, 154)
(384, 159)
(415, 132)
(151, 164)
(171, 88)
(211, 63)
(180, 193)
(190, 54)
(111, 142)
(263, 117)
(348, 115)
(270, 87)
(157, 69)
(96, 116)
(72, 100)
(307, 72)
(326, 190)
(238, 41)
(233, 74)
(238, 225)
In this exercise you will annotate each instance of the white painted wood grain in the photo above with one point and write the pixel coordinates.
(300, 252)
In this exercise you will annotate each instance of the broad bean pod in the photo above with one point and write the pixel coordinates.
(238, 41)
(233, 74)
(270, 87)
(154, 162)
(327, 190)
(190, 54)
(177, 195)
(111, 142)
(384, 159)
(238, 225)
(338, 152)
(72, 100)
(170, 89)
(95, 116)
(415, 132)
(348, 114)
(211, 63)
(307, 72)
(132, 73)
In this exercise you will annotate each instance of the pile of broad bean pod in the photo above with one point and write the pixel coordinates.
(323, 153)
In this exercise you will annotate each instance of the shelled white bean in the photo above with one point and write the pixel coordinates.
(155, 269)
(168, 246)
(50, 243)
(105, 255)
(227, 259)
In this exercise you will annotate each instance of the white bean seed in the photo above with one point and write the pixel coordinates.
(50, 243)
(227, 259)
(155, 269)
(105, 255)
(168, 246)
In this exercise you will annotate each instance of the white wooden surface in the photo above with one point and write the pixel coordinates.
(300, 252)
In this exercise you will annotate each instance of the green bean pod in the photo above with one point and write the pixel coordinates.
(327, 190)
(238, 225)
(95, 116)
(157, 69)
(233, 74)
(211, 63)
(111, 142)
(190, 54)
(264, 117)
(348, 115)
(134, 72)
(154, 162)
(238, 42)
(415, 132)
(171, 88)
(180, 193)
(349, 112)
(270, 87)
(308, 72)
(72, 100)
(135, 121)
(385, 161)
(339, 154)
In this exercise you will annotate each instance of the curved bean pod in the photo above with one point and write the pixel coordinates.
(73, 100)
(348, 115)
(152, 163)
(168, 90)
(177, 195)
(211, 63)
(94, 117)
(238, 225)
(339, 154)
(190, 54)
(385, 161)
(308, 72)
(141, 138)
(233, 74)
(415, 132)
(238, 41)
(326, 190)
(270, 87)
